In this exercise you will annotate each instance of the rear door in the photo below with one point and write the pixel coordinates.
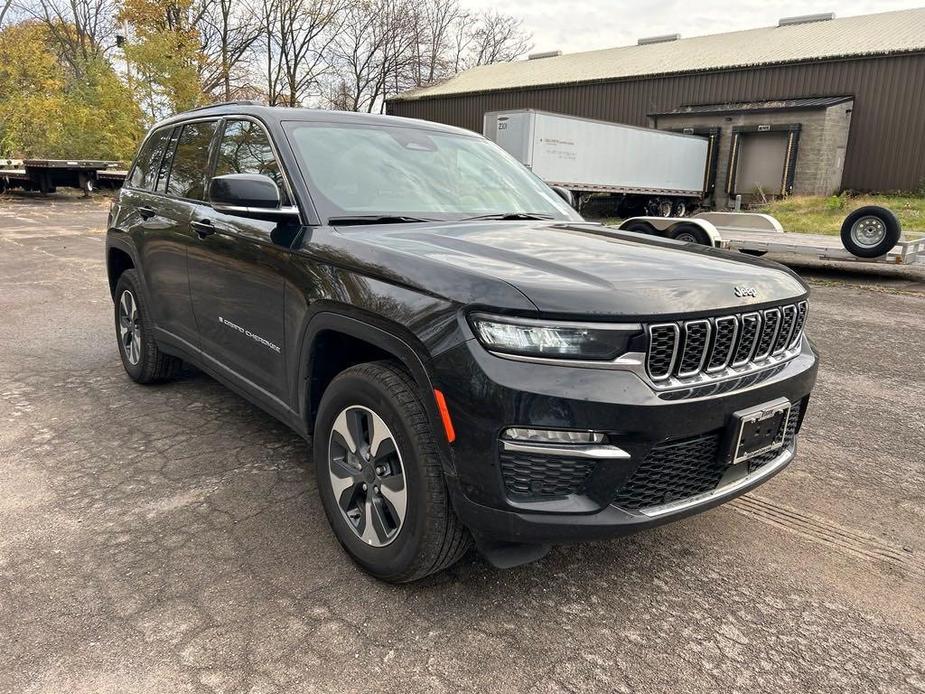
(159, 227)
(237, 268)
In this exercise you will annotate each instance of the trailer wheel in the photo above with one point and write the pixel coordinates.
(690, 233)
(640, 228)
(679, 209)
(87, 185)
(660, 207)
(870, 231)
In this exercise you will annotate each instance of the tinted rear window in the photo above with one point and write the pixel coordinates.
(191, 161)
(149, 158)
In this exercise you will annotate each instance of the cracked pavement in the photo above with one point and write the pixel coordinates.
(170, 539)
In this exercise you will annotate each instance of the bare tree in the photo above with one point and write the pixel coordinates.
(494, 37)
(228, 31)
(7, 4)
(80, 28)
(435, 22)
(374, 54)
(295, 42)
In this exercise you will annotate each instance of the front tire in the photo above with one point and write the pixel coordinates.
(380, 477)
(142, 359)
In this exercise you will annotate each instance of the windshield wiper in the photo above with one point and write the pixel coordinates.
(511, 215)
(375, 219)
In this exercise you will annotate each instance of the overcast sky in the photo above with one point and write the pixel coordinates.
(581, 25)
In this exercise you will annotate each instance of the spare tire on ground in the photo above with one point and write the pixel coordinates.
(870, 231)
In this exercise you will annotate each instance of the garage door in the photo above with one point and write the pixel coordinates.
(762, 159)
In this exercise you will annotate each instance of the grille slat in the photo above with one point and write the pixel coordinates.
(788, 319)
(663, 350)
(748, 338)
(696, 340)
(726, 330)
(771, 322)
(800, 322)
(678, 470)
(708, 349)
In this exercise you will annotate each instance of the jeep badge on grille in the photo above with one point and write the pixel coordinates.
(746, 291)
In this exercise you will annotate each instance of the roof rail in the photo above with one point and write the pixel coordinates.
(243, 102)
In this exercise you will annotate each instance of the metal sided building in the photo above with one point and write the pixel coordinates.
(812, 106)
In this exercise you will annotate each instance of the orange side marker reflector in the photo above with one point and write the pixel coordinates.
(445, 416)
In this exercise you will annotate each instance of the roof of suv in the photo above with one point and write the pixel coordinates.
(278, 114)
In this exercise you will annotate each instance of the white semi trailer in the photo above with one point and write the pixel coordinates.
(651, 171)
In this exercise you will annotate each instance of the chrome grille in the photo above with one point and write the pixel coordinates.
(708, 349)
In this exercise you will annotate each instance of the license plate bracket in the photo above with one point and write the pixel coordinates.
(759, 430)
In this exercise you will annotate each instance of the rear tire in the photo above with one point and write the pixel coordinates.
(679, 208)
(690, 233)
(142, 359)
(421, 534)
(870, 231)
(640, 228)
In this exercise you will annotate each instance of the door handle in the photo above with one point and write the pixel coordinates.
(146, 212)
(203, 227)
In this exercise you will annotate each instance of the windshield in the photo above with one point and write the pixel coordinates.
(389, 171)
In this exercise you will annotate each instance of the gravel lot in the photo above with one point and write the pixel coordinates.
(169, 539)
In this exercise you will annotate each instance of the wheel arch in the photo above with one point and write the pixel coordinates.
(119, 258)
(333, 342)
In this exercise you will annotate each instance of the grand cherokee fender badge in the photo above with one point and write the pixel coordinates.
(248, 333)
(742, 292)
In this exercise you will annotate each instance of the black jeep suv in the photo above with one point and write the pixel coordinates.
(471, 360)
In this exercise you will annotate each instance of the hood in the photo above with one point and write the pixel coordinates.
(592, 270)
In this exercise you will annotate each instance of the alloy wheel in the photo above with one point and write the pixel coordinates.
(129, 327)
(367, 475)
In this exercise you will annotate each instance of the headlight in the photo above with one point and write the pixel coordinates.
(553, 339)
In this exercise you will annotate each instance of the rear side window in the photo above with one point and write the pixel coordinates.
(245, 148)
(191, 160)
(144, 174)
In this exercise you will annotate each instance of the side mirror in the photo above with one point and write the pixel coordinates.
(565, 194)
(249, 195)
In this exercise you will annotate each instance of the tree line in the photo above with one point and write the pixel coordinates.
(84, 78)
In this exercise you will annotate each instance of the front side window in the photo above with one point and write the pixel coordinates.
(245, 148)
(144, 173)
(190, 167)
(363, 170)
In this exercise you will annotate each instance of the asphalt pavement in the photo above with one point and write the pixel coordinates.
(170, 539)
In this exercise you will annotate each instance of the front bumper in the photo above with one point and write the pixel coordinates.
(487, 394)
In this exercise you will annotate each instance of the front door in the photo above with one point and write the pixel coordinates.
(237, 268)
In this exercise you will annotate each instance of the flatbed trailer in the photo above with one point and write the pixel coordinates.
(757, 234)
(45, 175)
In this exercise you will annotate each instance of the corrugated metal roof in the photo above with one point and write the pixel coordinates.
(758, 106)
(876, 34)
